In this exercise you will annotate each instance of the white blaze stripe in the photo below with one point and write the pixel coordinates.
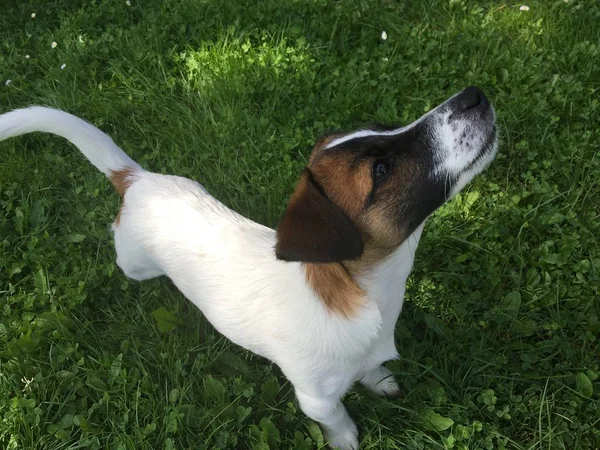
(366, 133)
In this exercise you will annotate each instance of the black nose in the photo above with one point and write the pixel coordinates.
(472, 97)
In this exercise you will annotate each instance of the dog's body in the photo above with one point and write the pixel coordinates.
(324, 316)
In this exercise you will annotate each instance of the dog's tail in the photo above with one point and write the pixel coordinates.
(95, 145)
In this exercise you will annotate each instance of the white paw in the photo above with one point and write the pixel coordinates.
(382, 382)
(346, 439)
(387, 387)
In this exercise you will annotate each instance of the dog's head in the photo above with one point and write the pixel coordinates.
(376, 186)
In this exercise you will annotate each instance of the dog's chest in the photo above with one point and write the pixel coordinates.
(386, 287)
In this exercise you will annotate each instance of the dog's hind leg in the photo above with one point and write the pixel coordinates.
(133, 260)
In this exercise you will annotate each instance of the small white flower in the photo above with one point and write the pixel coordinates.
(385, 59)
(524, 8)
(33, 15)
(63, 66)
(383, 35)
(7, 82)
(53, 45)
(26, 56)
(26, 382)
(127, 2)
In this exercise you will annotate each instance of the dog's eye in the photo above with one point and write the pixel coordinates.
(380, 169)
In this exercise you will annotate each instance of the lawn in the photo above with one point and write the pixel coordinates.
(499, 335)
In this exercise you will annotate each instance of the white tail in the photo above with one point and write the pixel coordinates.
(93, 143)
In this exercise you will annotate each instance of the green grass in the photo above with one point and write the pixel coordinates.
(499, 336)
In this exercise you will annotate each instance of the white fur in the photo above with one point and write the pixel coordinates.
(226, 265)
(459, 143)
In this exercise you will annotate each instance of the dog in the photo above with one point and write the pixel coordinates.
(320, 295)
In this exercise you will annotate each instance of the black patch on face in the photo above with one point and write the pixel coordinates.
(382, 127)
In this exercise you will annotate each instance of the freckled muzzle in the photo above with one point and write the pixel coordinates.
(465, 136)
(464, 129)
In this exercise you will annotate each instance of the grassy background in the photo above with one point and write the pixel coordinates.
(499, 337)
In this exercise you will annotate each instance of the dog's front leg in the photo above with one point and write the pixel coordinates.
(381, 381)
(339, 429)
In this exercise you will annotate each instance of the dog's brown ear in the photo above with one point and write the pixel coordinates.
(313, 229)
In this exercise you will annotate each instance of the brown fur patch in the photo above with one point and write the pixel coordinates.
(348, 187)
(376, 223)
(121, 180)
(370, 259)
(321, 144)
(336, 287)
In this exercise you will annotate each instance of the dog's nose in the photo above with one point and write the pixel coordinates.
(472, 97)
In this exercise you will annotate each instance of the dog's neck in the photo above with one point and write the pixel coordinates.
(346, 286)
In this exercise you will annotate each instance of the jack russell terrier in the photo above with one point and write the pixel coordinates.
(319, 296)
